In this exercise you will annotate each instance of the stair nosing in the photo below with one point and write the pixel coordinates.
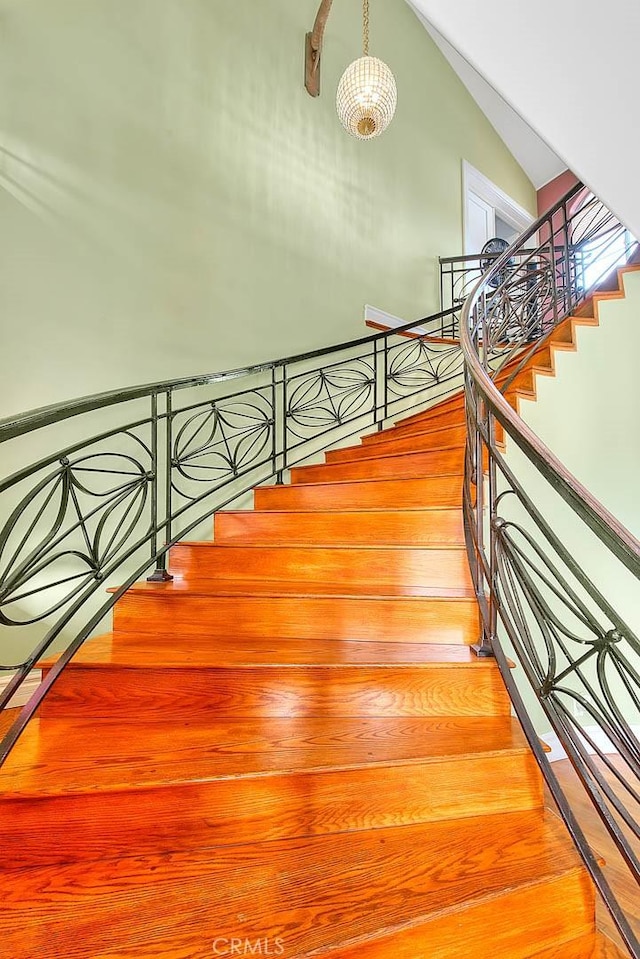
(283, 771)
(383, 456)
(205, 544)
(338, 512)
(376, 479)
(166, 588)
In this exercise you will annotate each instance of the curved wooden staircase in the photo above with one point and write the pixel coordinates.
(291, 750)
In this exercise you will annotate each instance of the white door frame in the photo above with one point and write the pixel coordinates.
(507, 209)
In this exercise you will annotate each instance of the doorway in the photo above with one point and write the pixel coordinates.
(488, 211)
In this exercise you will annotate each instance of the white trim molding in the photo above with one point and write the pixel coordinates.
(373, 315)
(594, 733)
(22, 696)
(507, 209)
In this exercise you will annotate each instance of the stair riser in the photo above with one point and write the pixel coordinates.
(263, 808)
(382, 567)
(419, 620)
(382, 494)
(452, 404)
(524, 924)
(395, 467)
(393, 527)
(143, 695)
(436, 422)
(400, 442)
(438, 439)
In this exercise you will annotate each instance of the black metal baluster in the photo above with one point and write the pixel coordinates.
(160, 574)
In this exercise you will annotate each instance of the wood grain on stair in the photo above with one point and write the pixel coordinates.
(419, 527)
(117, 677)
(362, 494)
(440, 439)
(231, 781)
(177, 905)
(405, 619)
(391, 465)
(435, 421)
(370, 567)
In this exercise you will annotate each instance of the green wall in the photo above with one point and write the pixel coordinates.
(173, 202)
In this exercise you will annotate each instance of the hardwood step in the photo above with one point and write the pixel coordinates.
(454, 402)
(135, 679)
(419, 527)
(175, 786)
(370, 567)
(420, 885)
(435, 423)
(453, 437)
(363, 494)
(185, 612)
(391, 465)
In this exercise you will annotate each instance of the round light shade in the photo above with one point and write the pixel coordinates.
(367, 98)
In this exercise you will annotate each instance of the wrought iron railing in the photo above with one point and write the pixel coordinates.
(580, 264)
(113, 480)
(556, 575)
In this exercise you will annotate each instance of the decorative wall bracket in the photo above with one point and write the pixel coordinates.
(313, 49)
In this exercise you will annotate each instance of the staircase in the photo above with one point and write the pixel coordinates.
(290, 749)
(292, 744)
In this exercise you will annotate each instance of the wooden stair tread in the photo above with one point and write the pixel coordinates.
(276, 587)
(387, 510)
(389, 455)
(394, 526)
(357, 482)
(78, 756)
(435, 490)
(320, 546)
(385, 436)
(366, 886)
(445, 420)
(162, 652)
(414, 463)
(412, 444)
(316, 567)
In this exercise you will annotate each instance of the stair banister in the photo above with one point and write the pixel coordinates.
(538, 604)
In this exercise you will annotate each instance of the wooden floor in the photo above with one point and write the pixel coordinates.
(621, 882)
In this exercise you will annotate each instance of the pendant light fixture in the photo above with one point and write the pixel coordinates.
(367, 92)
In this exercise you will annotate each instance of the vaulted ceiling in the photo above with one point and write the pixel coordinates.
(568, 69)
(537, 159)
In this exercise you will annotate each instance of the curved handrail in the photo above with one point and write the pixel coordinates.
(538, 605)
(22, 423)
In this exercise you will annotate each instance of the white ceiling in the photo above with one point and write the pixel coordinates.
(537, 159)
(570, 69)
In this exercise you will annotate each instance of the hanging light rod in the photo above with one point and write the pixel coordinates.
(314, 49)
